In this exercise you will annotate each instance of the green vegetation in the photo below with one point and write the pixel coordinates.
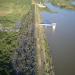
(49, 69)
(21, 42)
(25, 53)
(11, 11)
(42, 1)
(64, 4)
(7, 46)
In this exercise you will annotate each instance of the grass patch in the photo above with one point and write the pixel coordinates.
(8, 43)
(11, 11)
(63, 4)
(49, 65)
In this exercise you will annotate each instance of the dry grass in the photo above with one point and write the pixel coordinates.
(5, 13)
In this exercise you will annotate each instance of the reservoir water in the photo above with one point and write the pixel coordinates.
(62, 40)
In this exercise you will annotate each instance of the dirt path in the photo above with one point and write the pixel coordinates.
(4, 13)
(44, 62)
(39, 43)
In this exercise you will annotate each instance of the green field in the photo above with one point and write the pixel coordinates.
(11, 11)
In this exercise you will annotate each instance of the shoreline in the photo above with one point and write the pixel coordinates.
(63, 5)
(44, 62)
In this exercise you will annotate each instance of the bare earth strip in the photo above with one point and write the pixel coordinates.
(41, 54)
(40, 58)
(4, 13)
(39, 43)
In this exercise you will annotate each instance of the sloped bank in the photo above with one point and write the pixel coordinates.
(43, 56)
(23, 59)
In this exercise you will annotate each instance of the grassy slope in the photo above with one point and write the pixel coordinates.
(10, 10)
(64, 4)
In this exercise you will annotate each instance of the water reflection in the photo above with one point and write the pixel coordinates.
(62, 40)
(53, 26)
(73, 3)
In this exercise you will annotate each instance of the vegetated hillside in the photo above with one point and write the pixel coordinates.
(24, 57)
(11, 12)
(67, 4)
